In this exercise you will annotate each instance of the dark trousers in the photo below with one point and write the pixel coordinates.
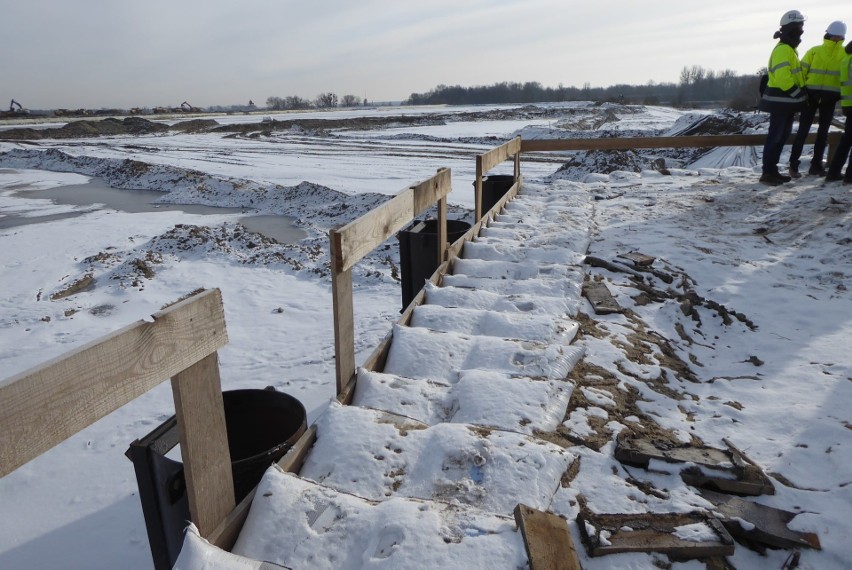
(843, 152)
(825, 107)
(780, 128)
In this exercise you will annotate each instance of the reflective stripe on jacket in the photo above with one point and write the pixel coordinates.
(821, 66)
(784, 91)
(846, 82)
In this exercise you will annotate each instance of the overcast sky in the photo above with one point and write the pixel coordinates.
(113, 53)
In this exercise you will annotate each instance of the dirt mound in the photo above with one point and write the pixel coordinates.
(720, 123)
(195, 125)
(602, 162)
(86, 128)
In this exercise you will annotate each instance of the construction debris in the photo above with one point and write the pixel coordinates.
(679, 535)
(711, 468)
(759, 525)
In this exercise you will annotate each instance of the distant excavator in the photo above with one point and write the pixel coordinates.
(15, 110)
(187, 108)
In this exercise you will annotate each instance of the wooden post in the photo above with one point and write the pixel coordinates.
(518, 160)
(442, 226)
(344, 318)
(200, 415)
(477, 190)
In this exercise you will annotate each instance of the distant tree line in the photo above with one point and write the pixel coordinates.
(697, 86)
(321, 101)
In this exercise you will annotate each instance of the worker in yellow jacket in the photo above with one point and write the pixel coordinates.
(821, 68)
(846, 140)
(785, 94)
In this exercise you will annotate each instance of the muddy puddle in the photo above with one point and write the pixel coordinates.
(97, 194)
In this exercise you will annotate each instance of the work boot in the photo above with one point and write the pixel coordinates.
(832, 177)
(817, 170)
(772, 179)
(783, 177)
(794, 171)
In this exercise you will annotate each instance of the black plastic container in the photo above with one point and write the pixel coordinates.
(261, 424)
(495, 187)
(418, 253)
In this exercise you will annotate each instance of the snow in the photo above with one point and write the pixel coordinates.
(490, 348)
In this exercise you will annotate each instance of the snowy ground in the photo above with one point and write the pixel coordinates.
(775, 380)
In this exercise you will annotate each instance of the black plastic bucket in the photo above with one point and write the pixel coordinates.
(418, 253)
(495, 187)
(261, 424)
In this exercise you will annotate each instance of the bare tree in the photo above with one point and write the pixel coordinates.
(326, 100)
(349, 101)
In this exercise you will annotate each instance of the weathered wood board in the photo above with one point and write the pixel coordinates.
(600, 298)
(768, 524)
(680, 535)
(638, 258)
(712, 468)
(547, 540)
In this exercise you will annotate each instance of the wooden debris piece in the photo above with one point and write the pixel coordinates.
(756, 523)
(547, 540)
(679, 535)
(638, 258)
(601, 299)
(612, 266)
(716, 469)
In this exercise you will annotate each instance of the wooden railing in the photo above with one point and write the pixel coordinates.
(355, 240)
(631, 143)
(490, 159)
(44, 406)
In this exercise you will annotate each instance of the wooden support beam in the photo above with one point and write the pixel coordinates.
(200, 414)
(344, 319)
(477, 190)
(360, 237)
(628, 143)
(547, 540)
(46, 405)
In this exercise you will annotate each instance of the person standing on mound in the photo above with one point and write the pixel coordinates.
(821, 67)
(785, 94)
(845, 146)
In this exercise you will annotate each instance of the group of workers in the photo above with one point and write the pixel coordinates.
(811, 86)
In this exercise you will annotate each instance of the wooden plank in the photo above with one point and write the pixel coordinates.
(768, 525)
(295, 456)
(431, 190)
(477, 190)
(600, 298)
(363, 235)
(547, 540)
(724, 470)
(638, 258)
(508, 196)
(200, 413)
(498, 155)
(442, 229)
(45, 405)
(627, 143)
(344, 327)
(226, 533)
(652, 532)
(228, 530)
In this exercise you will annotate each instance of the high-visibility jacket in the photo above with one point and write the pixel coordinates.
(846, 84)
(784, 90)
(821, 66)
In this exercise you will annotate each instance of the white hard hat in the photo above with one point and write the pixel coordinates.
(836, 28)
(792, 17)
